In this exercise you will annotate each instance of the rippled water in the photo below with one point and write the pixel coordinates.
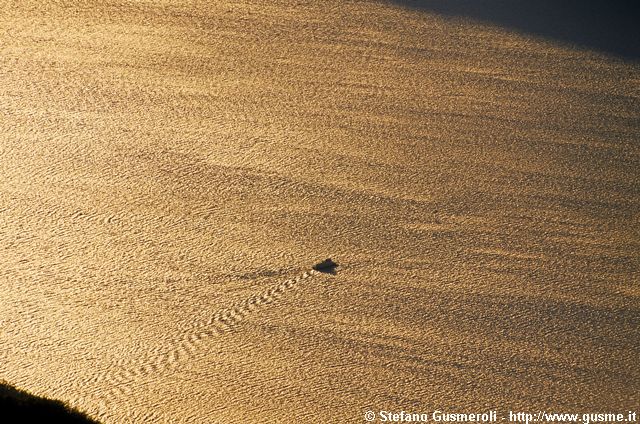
(171, 171)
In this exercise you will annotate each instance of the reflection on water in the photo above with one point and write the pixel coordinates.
(173, 170)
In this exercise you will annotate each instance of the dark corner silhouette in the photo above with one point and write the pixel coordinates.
(609, 26)
(19, 406)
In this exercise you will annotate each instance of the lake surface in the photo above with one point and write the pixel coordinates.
(170, 171)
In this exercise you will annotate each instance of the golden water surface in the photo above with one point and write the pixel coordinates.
(171, 170)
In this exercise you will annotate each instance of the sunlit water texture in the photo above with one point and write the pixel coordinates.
(172, 170)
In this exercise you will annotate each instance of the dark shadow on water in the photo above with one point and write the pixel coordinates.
(606, 26)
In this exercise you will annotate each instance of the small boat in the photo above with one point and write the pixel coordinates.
(326, 265)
